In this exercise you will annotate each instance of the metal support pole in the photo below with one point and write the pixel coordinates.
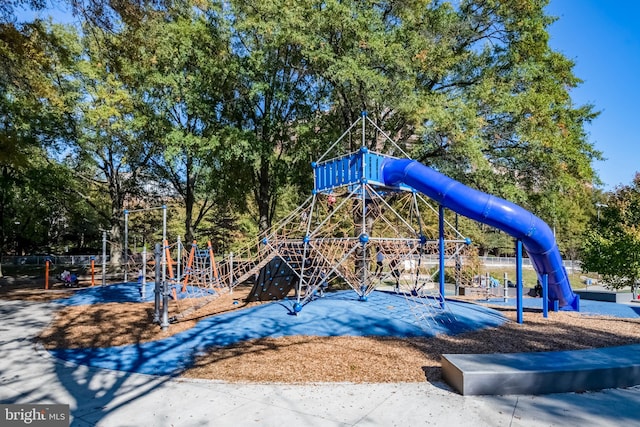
(157, 253)
(164, 240)
(104, 258)
(441, 255)
(143, 282)
(363, 230)
(46, 273)
(363, 114)
(93, 271)
(165, 305)
(519, 280)
(363, 200)
(458, 265)
(231, 271)
(179, 263)
(212, 268)
(126, 245)
(164, 222)
(545, 295)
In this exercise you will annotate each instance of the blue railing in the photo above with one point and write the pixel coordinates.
(355, 168)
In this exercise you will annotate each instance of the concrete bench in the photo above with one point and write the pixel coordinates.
(472, 291)
(543, 372)
(607, 296)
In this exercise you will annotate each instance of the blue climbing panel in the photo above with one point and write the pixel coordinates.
(355, 168)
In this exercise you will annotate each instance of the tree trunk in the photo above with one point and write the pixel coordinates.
(263, 212)
(116, 245)
(263, 198)
(115, 238)
(188, 221)
(189, 200)
(189, 232)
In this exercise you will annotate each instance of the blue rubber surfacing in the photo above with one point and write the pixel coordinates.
(337, 314)
(122, 292)
(587, 307)
(384, 314)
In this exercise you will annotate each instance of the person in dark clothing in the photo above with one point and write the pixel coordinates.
(395, 272)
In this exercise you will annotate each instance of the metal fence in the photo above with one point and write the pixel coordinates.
(54, 259)
(495, 261)
(572, 266)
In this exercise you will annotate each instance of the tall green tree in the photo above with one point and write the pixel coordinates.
(612, 243)
(250, 93)
(114, 141)
(36, 106)
(471, 88)
(275, 101)
(177, 64)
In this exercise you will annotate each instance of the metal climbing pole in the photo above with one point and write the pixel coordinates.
(519, 285)
(441, 253)
(158, 284)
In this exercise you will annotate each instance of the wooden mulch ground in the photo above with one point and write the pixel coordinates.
(303, 359)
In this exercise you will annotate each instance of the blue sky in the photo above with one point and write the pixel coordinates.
(603, 38)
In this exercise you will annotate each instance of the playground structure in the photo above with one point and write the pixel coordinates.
(186, 275)
(368, 207)
(334, 237)
(192, 275)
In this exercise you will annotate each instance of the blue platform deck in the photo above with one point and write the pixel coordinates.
(352, 169)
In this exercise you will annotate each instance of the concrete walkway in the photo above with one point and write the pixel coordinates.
(28, 374)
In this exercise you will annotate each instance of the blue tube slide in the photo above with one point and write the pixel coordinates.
(535, 235)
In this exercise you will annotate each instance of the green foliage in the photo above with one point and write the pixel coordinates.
(36, 103)
(612, 243)
(274, 102)
(176, 65)
(471, 88)
(221, 106)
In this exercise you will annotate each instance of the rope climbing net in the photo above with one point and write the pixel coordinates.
(193, 276)
(354, 232)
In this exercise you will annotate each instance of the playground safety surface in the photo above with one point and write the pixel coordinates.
(100, 396)
(339, 314)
